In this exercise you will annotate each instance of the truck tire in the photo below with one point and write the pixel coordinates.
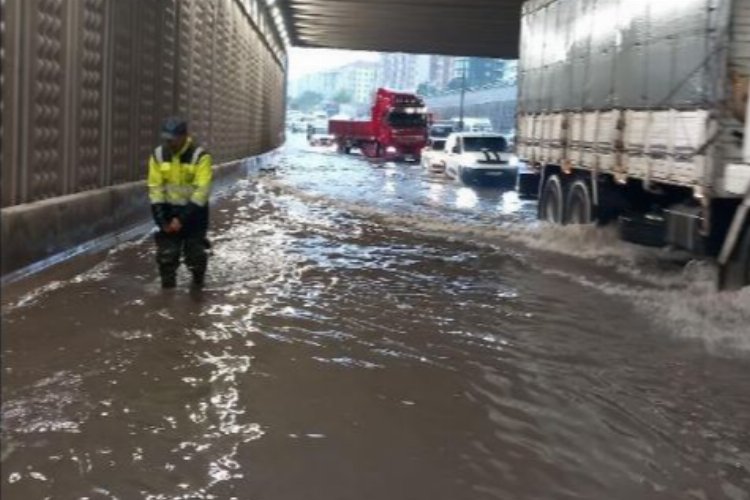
(579, 207)
(736, 273)
(552, 204)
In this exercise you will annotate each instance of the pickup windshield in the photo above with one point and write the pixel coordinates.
(438, 145)
(489, 143)
(402, 120)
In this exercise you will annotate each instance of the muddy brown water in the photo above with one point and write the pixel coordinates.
(336, 356)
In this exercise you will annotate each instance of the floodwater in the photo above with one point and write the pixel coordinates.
(371, 332)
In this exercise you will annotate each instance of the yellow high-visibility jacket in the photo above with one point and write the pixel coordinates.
(180, 183)
(183, 178)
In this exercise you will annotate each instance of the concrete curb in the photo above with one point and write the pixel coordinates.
(40, 234)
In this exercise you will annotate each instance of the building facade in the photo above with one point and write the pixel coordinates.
(441, 71)
(405, 71)
(479, 70)
(323, 83)
(359, 80)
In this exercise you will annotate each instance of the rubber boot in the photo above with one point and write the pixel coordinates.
(199, 279)
(168, 281)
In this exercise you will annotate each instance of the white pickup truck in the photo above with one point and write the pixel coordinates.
(479, 159)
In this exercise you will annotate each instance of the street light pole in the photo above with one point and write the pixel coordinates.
(463, 96)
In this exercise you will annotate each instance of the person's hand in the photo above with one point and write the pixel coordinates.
(174, 226)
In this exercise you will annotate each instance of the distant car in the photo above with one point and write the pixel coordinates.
(319, 136)
(480, 159)
(473, 125)
(433, 155)
(441, 130)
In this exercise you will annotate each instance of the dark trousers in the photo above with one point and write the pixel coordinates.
(170, 247)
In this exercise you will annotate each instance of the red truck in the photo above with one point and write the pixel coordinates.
(396, 130)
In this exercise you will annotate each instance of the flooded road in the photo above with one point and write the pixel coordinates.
(372, 332)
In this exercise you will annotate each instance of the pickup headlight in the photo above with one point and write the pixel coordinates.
(468, 160)
(513, 161)
(390, 149)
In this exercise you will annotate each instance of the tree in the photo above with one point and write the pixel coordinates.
(343, 96)
(307, 101)
(456, 83)
(426, 89)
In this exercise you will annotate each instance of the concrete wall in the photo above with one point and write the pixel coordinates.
(497, 103)
(55, 228)
(85, 85)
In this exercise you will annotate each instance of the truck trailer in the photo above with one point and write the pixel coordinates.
(636, 111)
(397, 127)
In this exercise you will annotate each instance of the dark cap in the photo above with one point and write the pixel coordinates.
(173, 127)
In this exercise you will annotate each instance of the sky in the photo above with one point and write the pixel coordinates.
(306, 61)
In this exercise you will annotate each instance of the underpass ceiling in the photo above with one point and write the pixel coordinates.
(486, 28)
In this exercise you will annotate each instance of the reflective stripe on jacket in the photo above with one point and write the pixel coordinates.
(183, 178)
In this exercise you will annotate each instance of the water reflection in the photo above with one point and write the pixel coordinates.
(435, 192)
(334, 355)
(389, 186)
(466, 198)
(510, 203)
(393, 187)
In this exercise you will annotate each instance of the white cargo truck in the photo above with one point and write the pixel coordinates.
(636, 111)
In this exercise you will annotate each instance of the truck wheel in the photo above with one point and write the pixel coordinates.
(551, 206)
(736, 273)
(579, 208)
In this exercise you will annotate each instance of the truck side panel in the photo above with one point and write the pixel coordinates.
(351, 129)
(630, 87)
(732, 121)
(627, 54)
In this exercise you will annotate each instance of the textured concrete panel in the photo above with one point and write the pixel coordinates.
(43, 144)
(122, 96)
(87, 154)
(36, 231)
(102, 74)
(86, 84)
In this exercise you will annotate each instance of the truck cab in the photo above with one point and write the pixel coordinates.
(397, 128)
(400, 123)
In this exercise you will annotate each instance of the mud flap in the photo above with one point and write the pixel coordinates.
(527, 184)
(649, 230)
(736, 249)
(735, 273)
